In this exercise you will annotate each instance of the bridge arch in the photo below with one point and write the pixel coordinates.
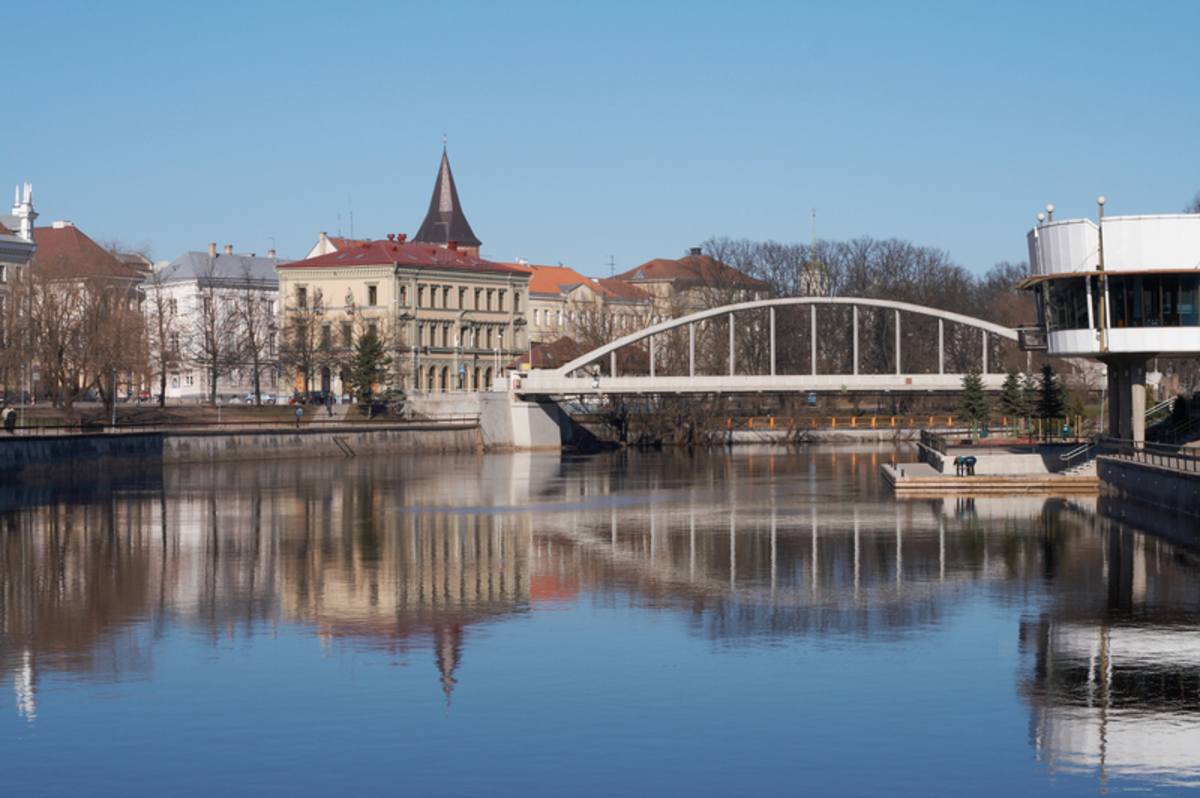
(609, 350)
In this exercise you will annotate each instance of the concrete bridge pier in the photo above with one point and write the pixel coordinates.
(1127, 397)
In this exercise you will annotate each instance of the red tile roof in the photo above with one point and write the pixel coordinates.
(403, 253)
(692, 268)
(551, 279)
(620, 289)
(71, 247)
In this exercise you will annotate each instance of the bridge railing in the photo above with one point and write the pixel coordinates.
(828, 422)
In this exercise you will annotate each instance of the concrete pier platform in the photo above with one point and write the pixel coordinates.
(923, 481)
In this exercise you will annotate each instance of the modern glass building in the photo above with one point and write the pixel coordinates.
(1120, 291)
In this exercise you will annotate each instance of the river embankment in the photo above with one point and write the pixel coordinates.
(51, 454)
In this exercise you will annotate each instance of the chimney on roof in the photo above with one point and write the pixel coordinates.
(401, 237)
(271, 253)
(62, 225)
(229, 249)
(452, 245)
(695, 252)
(212, 250)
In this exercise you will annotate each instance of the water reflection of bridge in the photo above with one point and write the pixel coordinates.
(409, 555)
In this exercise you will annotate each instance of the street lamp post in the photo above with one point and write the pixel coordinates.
(23, 395)
(114, 398)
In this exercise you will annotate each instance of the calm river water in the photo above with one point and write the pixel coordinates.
(754, 622)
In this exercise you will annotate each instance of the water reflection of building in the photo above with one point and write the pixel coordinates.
(1112, 680)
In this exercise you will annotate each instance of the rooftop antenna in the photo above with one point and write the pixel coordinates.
(339, 225)
(612, 267)
(350, 200)
(814, 249)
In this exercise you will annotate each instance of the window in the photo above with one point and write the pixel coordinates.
(404, 295)
(462, 298)
(537, 317)
(420, 296)
(478, 292)
(516, 301)
(500, 301)
(371, 328)
(372, 295)
(559, 322)
(189, 379)
(301, 296)
(489, 298)
(173, 305)
(347, 335)
(446, 296)
(326, 337)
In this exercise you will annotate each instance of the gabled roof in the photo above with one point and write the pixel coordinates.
(553, 280)
(693, 268)
(619, 289)
(445, 221)
(65, 242)
(550, 355)
(400, 253)
(245, 270)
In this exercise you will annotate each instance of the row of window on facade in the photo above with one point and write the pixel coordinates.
(437, 296)
(1142, 300)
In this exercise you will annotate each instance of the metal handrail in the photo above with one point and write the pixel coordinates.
(1155, 454)
(1080, 450)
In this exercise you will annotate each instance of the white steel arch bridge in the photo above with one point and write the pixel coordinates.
(597, 372)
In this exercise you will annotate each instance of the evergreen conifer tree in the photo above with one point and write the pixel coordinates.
(1051, 402)
(368, 366)
(1012, 400)
(973, 404)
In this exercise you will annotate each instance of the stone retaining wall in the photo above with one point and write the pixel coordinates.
(1142, 483)
(49, 454)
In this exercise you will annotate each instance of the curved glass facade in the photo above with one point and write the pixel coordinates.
(1154, 300)
(1135, 300)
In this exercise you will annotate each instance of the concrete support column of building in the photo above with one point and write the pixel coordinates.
(1137, 401)
(651, 357)
(1127, 399)
(1115, 397)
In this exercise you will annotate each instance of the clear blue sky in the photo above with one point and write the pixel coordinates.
(584, 131)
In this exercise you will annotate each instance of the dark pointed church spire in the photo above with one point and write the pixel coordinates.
(445, 221)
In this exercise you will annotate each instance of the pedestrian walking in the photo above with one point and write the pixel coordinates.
(329, 404)
(10, 419)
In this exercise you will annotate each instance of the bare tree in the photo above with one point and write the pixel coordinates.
(163, 331)
(255, 314)
(216, 338)
(1194, 205)
(85, 328)
(300, 350)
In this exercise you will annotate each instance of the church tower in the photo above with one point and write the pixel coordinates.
(445, 221)
(24, 213)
